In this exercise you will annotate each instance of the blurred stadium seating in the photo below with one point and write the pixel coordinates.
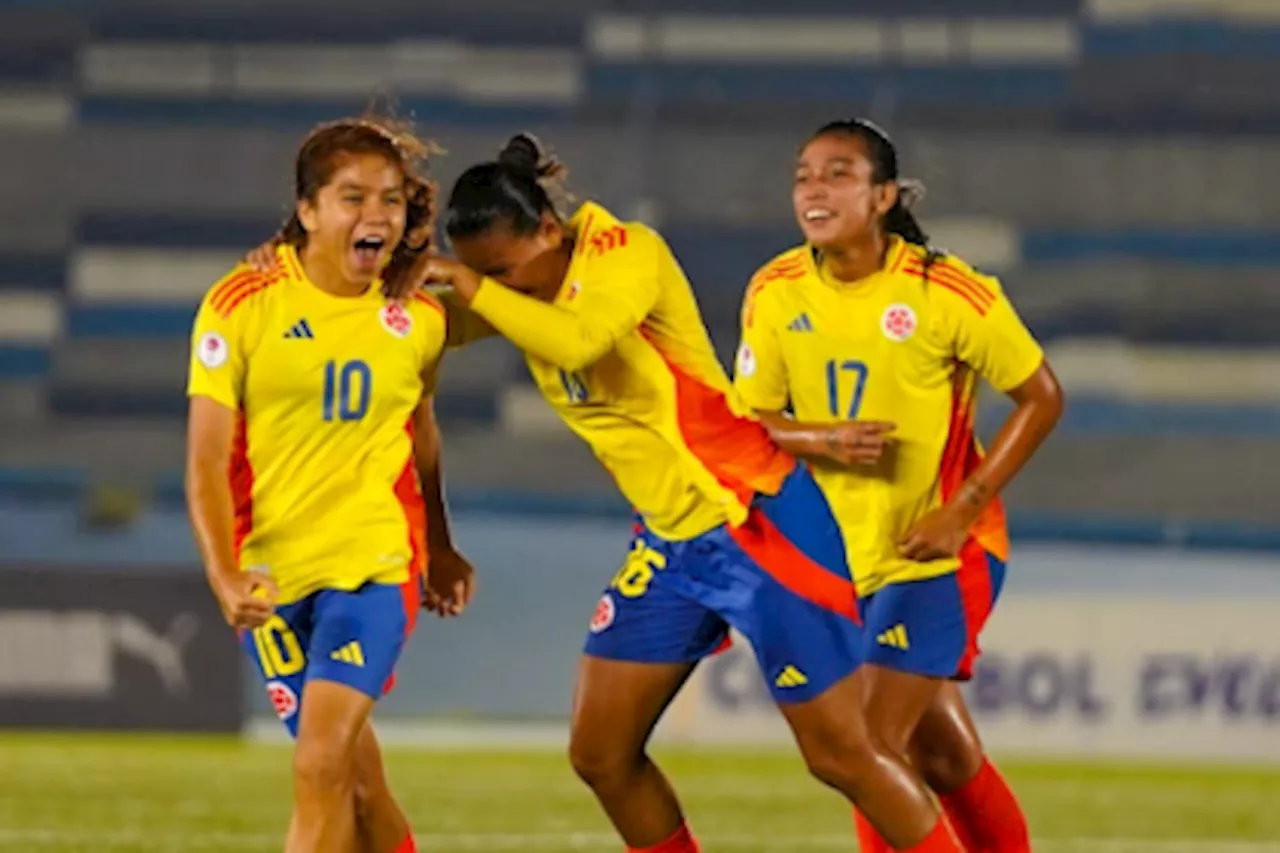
(1114, 162)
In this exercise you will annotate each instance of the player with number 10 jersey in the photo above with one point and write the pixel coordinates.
(313, 475)
(325, 387)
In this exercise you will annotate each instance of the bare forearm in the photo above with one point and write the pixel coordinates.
(209, 504)
(799, 439)
(428, 456)
(1022, 434)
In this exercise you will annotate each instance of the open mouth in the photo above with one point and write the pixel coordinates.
(819, 214)
(368, 249)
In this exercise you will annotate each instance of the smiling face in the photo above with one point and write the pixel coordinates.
(357, 218)
(837, 201)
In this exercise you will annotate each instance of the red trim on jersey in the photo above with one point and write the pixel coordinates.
(736, 450)
(428, 299)
(220, 293)
(977, 597)
(773, 552)
(961, 457)
(904, 253)
(582, 235)
(980, 294)
(982, 312)
(246, 291)
(240, 476)
(613, 237)
(409, 494)
(979, 297)
(971, 282)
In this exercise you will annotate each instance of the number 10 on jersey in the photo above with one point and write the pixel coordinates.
(842, 375)
(347, 390)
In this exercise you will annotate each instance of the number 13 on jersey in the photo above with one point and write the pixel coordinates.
(845, 378)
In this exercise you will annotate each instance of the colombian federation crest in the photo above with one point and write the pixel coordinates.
(605, 613)
(283, 699)
(898, 322)
(396, 319)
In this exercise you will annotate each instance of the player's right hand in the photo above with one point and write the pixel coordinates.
(263, 258)
(247, 599)
(853, 443)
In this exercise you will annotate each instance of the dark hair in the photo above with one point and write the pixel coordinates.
(516, 189)
(884, 162)
(318, 158)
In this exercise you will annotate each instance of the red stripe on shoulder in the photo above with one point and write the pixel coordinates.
(428, 299)
(936, 274)
(970, 280)
(245, 291)
(223, 291)
(963, 294)
(788, 268)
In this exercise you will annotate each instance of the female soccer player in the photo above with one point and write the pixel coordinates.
(313, 468)
(732, 530)
(875, 342)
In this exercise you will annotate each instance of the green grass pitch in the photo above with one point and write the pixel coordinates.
(149, 793)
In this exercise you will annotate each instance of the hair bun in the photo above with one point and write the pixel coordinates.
(522, 153)
(525, 154)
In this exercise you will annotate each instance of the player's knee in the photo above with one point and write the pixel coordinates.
(843, 763)
(945, 765)
(601, 765)
(322, 766)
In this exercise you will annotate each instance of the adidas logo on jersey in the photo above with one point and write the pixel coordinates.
(800, 324)
(791, 677)
(300, 329)
(895, 638)
(350, 653)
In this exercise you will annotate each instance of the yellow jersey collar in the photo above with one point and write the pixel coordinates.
(589, 217)
(894, 258)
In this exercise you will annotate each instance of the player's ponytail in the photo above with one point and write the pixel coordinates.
(319, 157)
(883, 154)
(516, 189)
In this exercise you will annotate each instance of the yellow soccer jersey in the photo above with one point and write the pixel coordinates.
(624, 358)
(899, 347)
(326, 491)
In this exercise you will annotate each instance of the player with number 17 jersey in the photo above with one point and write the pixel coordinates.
(323, 478)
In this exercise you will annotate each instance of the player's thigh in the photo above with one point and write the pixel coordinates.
(616, 704)
(329, 725)
(357, 637)
(643, 640)
(279, 651)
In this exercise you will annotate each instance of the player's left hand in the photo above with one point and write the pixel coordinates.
(263, 258)
(437, 269)
(451, 583)
(941, 533)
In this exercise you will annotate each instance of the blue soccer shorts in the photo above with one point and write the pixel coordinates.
(930, 627)
(353, 638)
(780, 579)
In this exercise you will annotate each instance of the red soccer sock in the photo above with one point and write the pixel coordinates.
(869, 841)
(682, 842)
(986, 814)
(408, 845)
(941, 840)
